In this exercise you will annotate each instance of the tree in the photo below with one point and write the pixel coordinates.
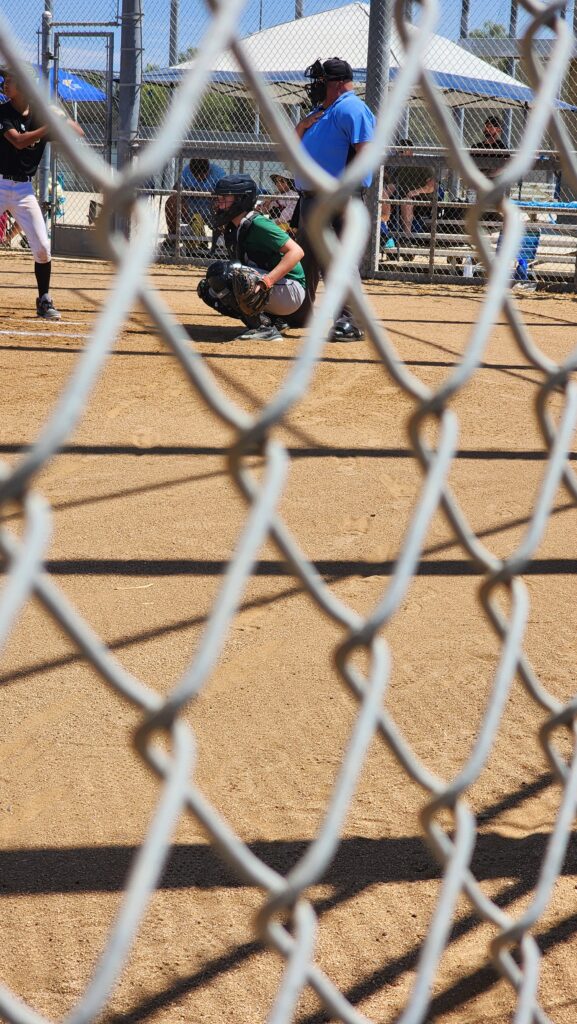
(489, 30)
(495, 30)
(492, 30)
(154, 100)
(218, 112)
(188, 54)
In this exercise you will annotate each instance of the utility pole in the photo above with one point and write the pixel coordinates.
(130, 79)
(569, 95)
(173, 32)
(458, 112)
(510, 68)
(46, 56)
(378, 65)
(465, 14)
(403, 131)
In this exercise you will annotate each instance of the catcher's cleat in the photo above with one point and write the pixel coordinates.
(266, 332)
(281, 325)
(344, 330)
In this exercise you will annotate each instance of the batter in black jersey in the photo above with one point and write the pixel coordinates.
(23, 139)
(19, 162)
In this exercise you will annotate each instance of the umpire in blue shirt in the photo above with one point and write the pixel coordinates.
(338, 126)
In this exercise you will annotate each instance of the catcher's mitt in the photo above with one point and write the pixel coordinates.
(250, 290)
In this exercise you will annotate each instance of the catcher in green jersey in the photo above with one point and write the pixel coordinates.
(263, 281)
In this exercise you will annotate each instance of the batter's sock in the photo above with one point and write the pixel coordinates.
(42, 271)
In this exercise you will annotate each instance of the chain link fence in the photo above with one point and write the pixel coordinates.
(474, 58)
(287, 920)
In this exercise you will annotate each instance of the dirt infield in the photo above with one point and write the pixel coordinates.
(145, 520)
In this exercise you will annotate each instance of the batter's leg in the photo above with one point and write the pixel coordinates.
(27, 212)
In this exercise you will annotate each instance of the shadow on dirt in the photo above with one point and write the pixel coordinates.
(358, 864)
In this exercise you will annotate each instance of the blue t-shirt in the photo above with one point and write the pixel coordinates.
(194, 204)
(345, 123)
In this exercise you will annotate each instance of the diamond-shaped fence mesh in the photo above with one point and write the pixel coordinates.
(223, 100)
(474, 57)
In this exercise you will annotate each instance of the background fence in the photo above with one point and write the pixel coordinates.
(104, 55)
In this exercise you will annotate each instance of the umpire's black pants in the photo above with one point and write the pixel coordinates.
(310, 264)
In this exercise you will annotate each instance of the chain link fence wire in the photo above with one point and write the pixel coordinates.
(474, 55)
(287, 921)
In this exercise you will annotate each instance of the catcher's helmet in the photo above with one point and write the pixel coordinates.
(244, 190)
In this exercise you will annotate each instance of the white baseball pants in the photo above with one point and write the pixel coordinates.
(18, 198)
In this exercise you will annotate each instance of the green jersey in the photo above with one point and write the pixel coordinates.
(262, 244)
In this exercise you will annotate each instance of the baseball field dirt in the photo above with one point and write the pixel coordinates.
(145, 519)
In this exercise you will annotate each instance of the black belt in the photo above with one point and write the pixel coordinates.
(15, 177)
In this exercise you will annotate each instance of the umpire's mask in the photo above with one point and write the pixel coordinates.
(335, 69)
(316, 89)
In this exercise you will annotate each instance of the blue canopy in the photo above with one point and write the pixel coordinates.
(72, 88)
(459, 90)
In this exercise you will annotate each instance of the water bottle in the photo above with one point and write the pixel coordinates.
(468, 266)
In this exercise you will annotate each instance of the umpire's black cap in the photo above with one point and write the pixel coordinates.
(337, 70)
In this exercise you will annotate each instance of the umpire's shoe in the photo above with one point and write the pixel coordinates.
(345, 330)
(46, 309)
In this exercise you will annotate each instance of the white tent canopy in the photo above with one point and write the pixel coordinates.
(282, 53)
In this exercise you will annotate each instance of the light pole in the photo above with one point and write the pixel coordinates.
(378, 65)
(403, 128)
(173, 32)
(459, 112)
(45, 58)
(510, 68)
(130, 79)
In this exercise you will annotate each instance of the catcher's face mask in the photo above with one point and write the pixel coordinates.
(316, 89)
(224, 208)
(232, 195)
